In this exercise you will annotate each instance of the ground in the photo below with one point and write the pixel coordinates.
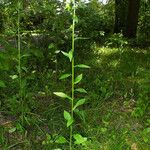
(116, 115)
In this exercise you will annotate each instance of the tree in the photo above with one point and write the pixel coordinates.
(120, 15)
(132, 18)
(126, 17)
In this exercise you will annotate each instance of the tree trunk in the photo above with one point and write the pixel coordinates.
(132, 18)
(120, 16)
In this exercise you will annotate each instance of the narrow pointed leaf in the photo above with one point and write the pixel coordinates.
(64, 76)
(65, 54)
(57, 51)
(69, 122)
(83, 66)
(62, 95)
(70, 55)
(78, 79)
(81, 90)
(25, 55)
(79, 103)
(81, 38)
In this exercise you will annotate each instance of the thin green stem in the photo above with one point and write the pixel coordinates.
(73, 71)
(19, 61)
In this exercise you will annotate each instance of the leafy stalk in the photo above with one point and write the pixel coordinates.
(73, 71)
(19, 61)
(69, 117)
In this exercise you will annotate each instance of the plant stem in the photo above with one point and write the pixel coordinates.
(19, 62)
(73, 71)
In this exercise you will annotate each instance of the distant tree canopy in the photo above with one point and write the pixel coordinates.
(131, 17)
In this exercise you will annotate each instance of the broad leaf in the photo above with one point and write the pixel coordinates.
(79, 103)
(2, 84)
(83, 66)
(78, 79)
(70, 55)
(61, 140)
(79, 139)
(62, 95)
(68, 117)
(81, 90)
(64, 76)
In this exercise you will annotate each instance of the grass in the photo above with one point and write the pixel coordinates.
(118, 84)
(117, 79)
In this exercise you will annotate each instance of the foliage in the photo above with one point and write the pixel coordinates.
(144, 25)
(115, 112)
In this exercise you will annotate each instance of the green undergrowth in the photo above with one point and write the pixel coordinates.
(116, 113)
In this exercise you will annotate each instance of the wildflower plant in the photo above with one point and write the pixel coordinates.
(69, 115)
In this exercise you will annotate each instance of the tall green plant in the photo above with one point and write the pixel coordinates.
(19, 61)
(69, 116)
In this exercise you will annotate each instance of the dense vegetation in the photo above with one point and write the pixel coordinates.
(74, 75)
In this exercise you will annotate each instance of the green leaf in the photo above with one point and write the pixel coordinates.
(14, 76)
(78, 79)
(79, 103)
(61, 140)
(48, 137)
(62, 95)
(69, 55)
(81, 90)
(64, 76)
(80, 113)
(51, 46)
(81, 38)
(65, 54)
(2, 84)
(103, 130)
(25, 69)
(79, 139)
(57, 51)
(82, 66)
(68, 117)
(25, 55)
(69, 122)
(12, 130)
(68, 7)
(76, 19)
